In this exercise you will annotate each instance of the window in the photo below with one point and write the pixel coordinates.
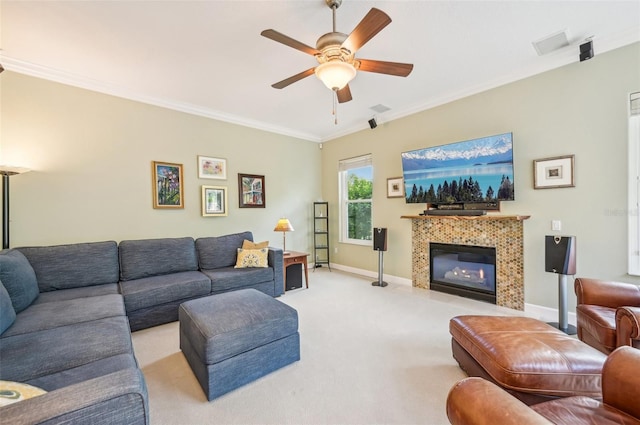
(634, 183)
(356, 191)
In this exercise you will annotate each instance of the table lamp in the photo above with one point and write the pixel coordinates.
(283, 226)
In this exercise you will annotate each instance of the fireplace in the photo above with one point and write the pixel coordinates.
(465, 270)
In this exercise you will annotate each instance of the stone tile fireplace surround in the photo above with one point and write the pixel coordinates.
(503, 232)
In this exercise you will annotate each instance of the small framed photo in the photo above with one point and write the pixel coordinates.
(168, 190)
(251, 191)
(395, 187)
(214, 201)
(212, 168)
(553, 172)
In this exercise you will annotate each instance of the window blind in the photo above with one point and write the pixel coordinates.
(356, 162)
(634, 104)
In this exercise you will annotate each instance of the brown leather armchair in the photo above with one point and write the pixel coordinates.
(596, 312)
(475, 401)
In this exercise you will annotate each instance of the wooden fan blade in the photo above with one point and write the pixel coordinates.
(284, 83)
(344, 95)
(381, 67)
(288, 41)
(370, 25)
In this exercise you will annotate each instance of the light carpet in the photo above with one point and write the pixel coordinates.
(369, 355)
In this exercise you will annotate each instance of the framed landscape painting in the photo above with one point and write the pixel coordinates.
(212, 168)
(251, 191)
(168, 191)
(214, 201)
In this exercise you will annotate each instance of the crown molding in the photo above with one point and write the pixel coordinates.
(562, 57)
(62, 77)
(558, 59)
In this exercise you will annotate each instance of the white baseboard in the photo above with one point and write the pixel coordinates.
(373, 275)
(545, 314)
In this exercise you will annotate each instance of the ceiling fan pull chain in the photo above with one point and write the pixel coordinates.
(335, 106)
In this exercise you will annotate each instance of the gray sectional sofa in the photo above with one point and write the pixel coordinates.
(67, 312)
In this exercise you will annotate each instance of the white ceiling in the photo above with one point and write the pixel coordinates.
(208, 58)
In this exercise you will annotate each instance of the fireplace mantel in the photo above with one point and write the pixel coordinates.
(467, 217)
(504, 232)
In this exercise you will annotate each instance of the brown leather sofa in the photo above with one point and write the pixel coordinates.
(476, 401)
(607, 313)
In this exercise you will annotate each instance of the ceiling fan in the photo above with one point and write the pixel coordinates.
(335, 53)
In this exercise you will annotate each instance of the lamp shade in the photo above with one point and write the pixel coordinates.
(335, 74)
(10, 170)
(283, 225)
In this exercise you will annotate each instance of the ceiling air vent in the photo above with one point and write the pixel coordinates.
(552, 42)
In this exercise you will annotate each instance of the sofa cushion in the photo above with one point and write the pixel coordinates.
(155, 257)
(74, 265)
(7, 313)
(18, 278)
(74, 293)
(252, 258)
(600, 322)
(158, 290)
(29, 356)
(231, 278)
(40, 317)
(100, 367)
(220, 251)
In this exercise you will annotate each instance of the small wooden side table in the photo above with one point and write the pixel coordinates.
(293, 257)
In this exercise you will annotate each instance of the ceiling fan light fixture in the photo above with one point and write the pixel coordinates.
(335, 74)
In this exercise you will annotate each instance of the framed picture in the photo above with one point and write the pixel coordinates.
(395, 187)
(168, 190)
(212, 168)
(251, 191)
(553, 172)
(214, 201)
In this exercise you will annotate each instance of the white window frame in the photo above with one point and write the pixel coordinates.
(344, 166)
(634, 184)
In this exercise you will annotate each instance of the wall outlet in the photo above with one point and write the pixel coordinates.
(335, 250)
(556, 225)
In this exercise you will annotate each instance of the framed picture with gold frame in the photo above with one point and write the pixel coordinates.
(214, 201)
(168, 189)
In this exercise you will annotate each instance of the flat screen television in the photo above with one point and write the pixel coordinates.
(473, 171)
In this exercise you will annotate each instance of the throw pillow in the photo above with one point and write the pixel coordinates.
(247, 244)
(7, 313)
(18, 278)
(252, 258)
(12, 392)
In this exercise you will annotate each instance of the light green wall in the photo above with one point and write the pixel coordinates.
(91, 156)
(578, 109)
(91, 159)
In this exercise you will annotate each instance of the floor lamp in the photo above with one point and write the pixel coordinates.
(7, 171)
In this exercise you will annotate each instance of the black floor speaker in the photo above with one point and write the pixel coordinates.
(379, 238)
(294, 277)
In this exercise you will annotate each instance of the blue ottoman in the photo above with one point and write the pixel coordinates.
(237, 337)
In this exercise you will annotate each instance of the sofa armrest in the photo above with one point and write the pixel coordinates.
(620, 380)
(117, 398)
(628, 326)
(477, 401)
(275, 260)
(606, 293)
